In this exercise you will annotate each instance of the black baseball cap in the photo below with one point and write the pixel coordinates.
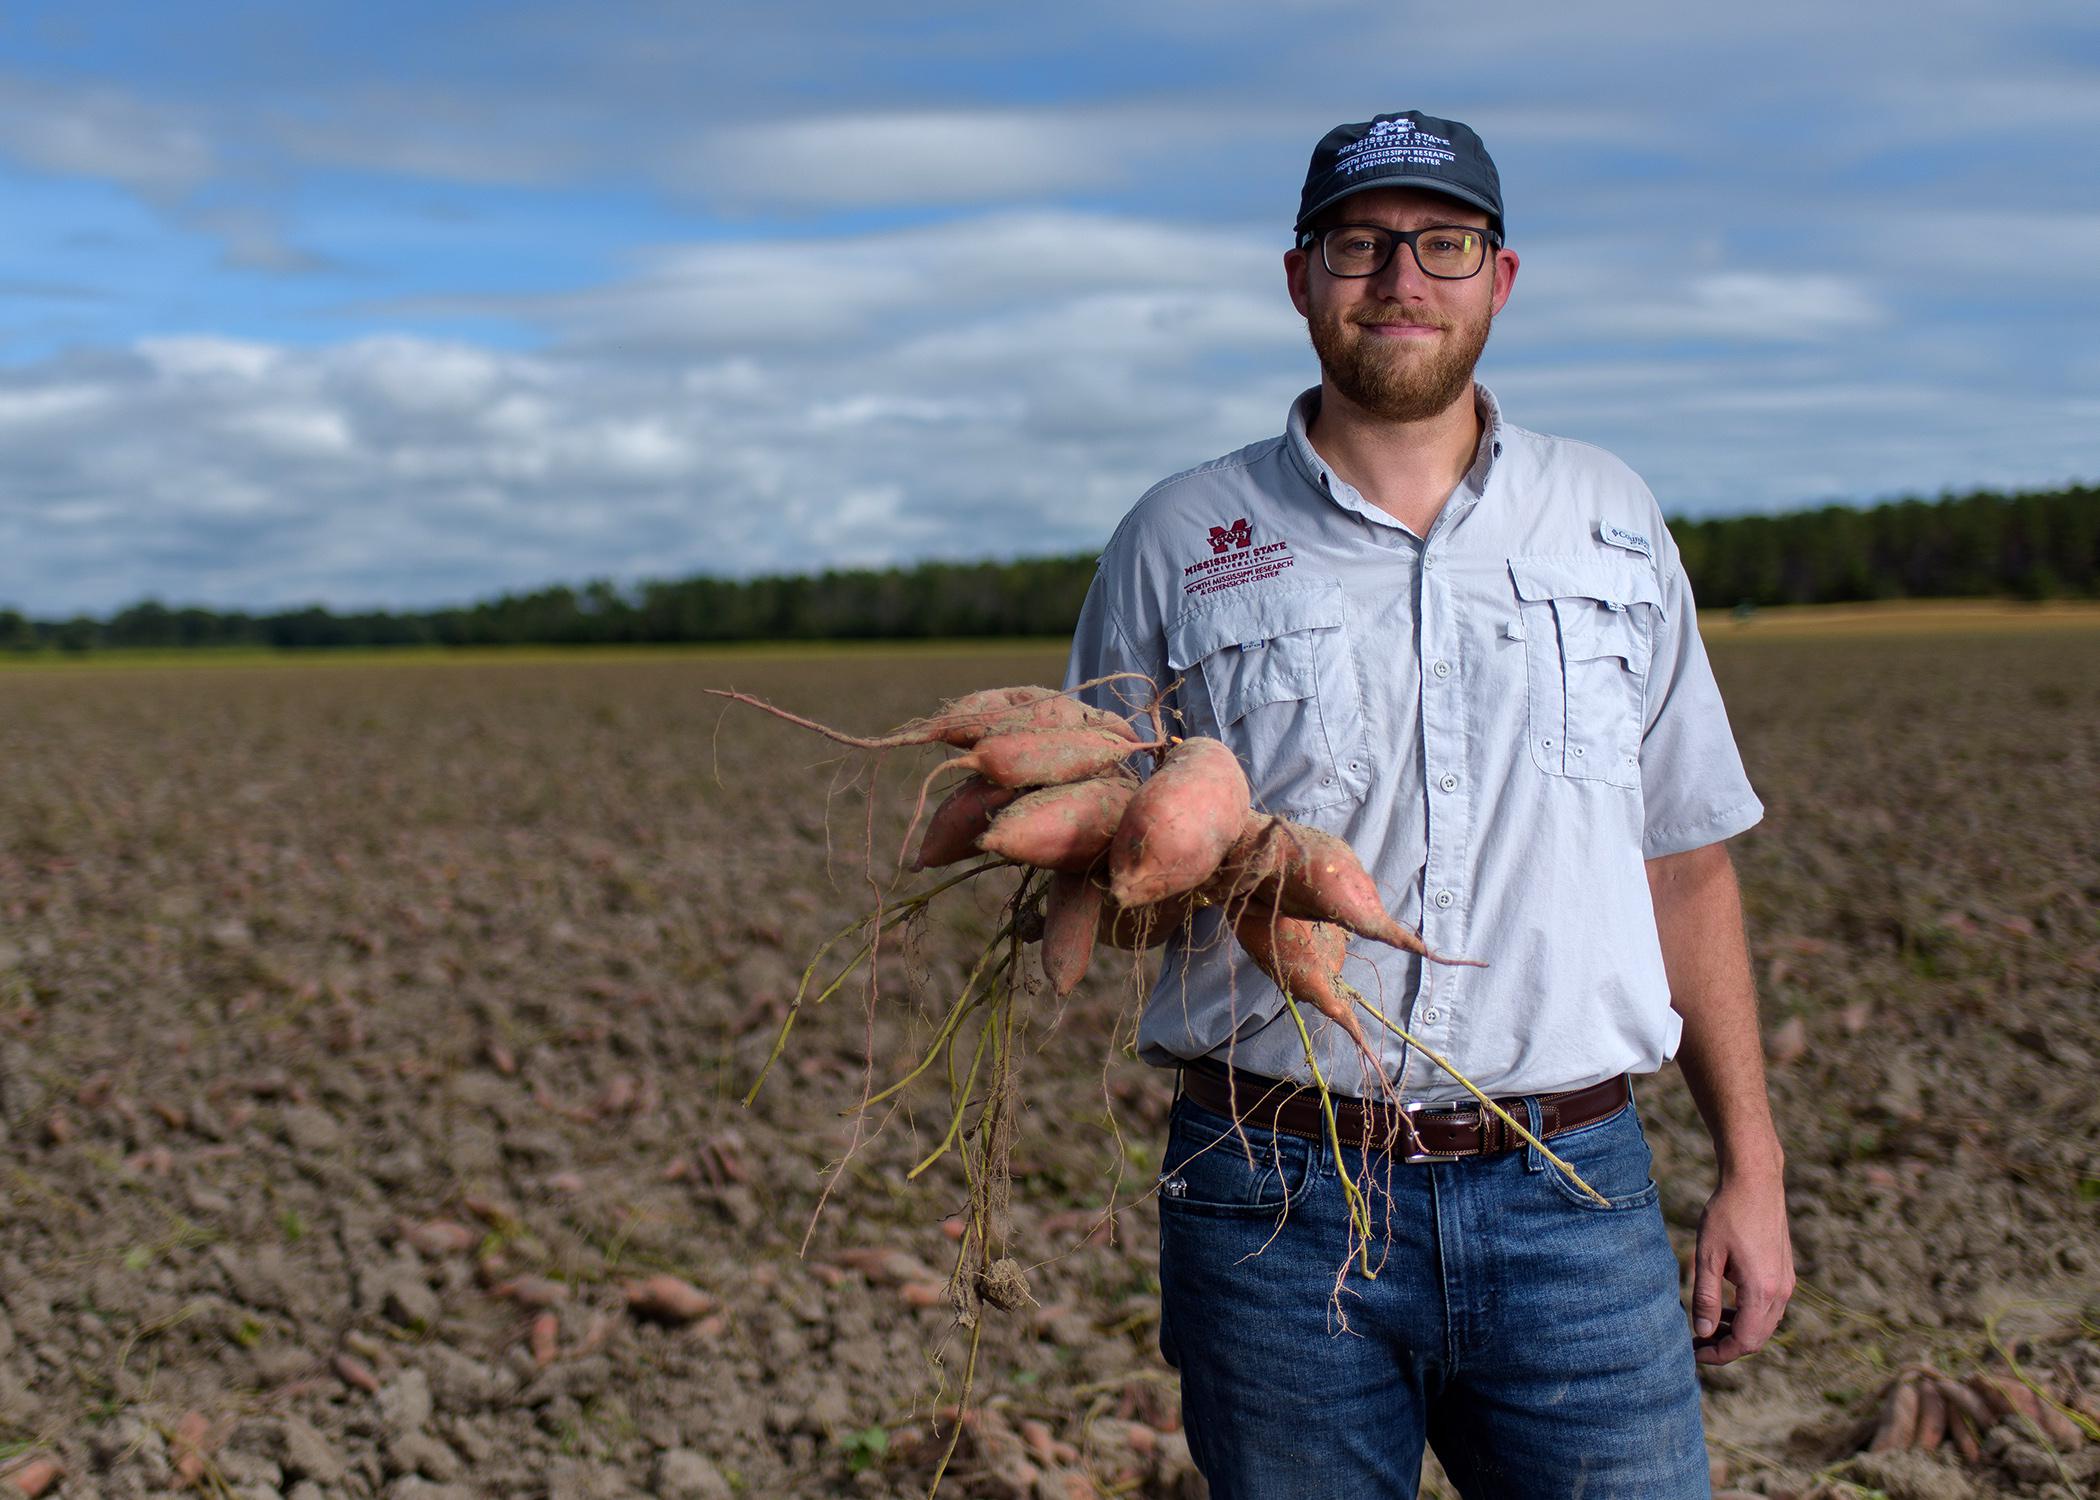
(1405, 149)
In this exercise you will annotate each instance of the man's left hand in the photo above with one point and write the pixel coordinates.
(1743, 1241)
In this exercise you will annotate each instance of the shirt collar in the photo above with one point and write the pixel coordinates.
(1472, 486)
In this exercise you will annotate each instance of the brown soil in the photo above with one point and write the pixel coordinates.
(370, 1035)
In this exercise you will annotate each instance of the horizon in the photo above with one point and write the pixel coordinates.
(381, 309)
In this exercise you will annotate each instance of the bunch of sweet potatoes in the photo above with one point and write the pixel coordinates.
(1049, 785)
(1129, 861)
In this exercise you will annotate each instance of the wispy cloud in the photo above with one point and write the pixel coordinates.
(399, 313)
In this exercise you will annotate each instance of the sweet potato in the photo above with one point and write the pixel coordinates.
(1136, 928)
(1061, 827)
(960, 821)
(1179, 824)
(963, 721)
(35, 1476)
(1043, 757)
(1899, 1418)
(1322, 880)
(1932, 1416)
(1256, 857)
(1305, 961)
(1071, 917)
(1968, 1419)
(665, 1298)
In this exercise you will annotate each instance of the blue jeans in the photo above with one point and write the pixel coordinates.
(1534, 1339)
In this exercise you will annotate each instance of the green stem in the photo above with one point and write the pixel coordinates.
(889, 917)
(962, 1102)
(965, 1003)
(1500, 1113)
(1359, 1209)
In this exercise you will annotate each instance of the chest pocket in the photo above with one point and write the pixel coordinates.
(1271, 673)
(1589, 632)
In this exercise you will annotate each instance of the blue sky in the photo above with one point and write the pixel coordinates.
(398, 305)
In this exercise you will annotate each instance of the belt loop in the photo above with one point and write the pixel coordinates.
(1534, 1121)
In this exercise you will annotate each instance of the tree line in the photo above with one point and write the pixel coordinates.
(2035, 545)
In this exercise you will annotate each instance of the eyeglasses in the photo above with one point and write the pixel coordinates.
(1448, 252)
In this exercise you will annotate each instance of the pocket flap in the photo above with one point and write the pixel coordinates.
(1245, 617)
(1608, 580)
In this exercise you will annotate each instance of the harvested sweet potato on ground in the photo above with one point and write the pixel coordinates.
(1071, 917)
(1061, 827)
(1899, 1419)
(1179, 824)
(1932, 1417)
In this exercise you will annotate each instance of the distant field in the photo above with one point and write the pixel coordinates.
(1894, 617)
(1904, 617)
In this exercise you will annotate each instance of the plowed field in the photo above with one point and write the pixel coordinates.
(366, 1030)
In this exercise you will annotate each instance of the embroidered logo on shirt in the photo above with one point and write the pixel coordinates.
(1234, 560)
(1619, 536)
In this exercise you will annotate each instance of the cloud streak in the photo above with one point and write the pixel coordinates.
(409, 318)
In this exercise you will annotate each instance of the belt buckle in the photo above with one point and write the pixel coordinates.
(1416, 1154)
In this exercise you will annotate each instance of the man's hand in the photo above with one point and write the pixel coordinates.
(1743, 1241)
(1742, 1235)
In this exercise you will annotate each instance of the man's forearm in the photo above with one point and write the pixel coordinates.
(1699, 916)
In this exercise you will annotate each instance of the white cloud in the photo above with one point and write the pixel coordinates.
(101, 133)
(1801, 301)
(50, 406)
(917, 156)
(204, 356)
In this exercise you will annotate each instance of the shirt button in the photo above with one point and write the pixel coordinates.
(1442, 669)
(1448, 782)
(1428, 560)
(1445, 898)
(1576, 751)
(1432, 1014)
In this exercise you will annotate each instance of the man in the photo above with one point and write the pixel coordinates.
(1469, 650)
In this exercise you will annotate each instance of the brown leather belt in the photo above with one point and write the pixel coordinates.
(1427, 1132)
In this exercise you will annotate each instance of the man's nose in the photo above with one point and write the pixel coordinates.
(1401, 276)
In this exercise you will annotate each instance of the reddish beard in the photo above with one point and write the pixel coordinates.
(1388, 377)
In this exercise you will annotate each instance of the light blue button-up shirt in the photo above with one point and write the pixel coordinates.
(1504, 718)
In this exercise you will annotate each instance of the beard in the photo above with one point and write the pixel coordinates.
(1394, 381)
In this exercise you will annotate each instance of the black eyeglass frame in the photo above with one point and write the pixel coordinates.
(1307, 238)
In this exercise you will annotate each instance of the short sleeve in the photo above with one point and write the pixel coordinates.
(1103, 646)
(1694, 789)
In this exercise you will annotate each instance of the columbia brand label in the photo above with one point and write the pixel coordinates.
(1395, 143)
(1619, 536)
(1235, 558)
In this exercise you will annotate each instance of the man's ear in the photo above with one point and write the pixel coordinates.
(1505, 277)
(1297, 271)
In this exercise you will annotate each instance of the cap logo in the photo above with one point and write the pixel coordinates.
(1395, 143)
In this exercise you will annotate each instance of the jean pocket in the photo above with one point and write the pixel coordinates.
(1612, 1156)
(1272, 673)
(1589, 634)
(1213, 1166)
